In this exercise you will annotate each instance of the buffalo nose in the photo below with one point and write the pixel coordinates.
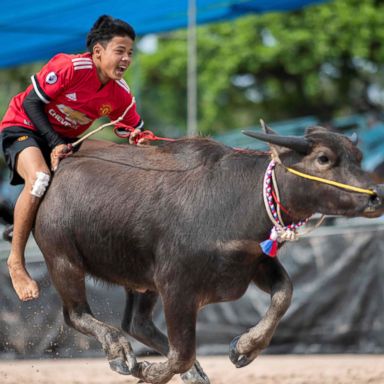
(377, 200)
(379, 190)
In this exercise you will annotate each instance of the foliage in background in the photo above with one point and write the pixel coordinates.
(324, 60)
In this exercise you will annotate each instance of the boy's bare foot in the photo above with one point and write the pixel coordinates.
(25, 287)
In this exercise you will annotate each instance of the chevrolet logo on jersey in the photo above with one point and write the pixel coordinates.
(73, 116)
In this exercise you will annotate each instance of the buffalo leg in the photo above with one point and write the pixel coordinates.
(180, 316)
(138, 323)
(272, 278)
(70, 283)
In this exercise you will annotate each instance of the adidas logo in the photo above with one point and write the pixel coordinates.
(71, 96)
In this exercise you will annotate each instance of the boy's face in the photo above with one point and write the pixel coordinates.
(113, 59)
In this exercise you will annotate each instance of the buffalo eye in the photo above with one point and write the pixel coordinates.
(323, 159)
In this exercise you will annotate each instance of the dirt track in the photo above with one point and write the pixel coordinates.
(335, 369)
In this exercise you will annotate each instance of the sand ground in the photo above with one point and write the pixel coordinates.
(313, 369)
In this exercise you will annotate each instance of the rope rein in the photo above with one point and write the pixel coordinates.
(331, 182)
(123, 130)
(76, 143)
(151, 136)
(279, 232)
(135, 165)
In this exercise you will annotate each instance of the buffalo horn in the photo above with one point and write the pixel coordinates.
(298, 144)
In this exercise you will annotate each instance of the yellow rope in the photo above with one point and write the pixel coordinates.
(331, 182)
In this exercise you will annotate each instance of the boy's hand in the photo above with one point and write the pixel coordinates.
(59, 152)
(134, 135)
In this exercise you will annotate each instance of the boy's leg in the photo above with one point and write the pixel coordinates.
(30, 162)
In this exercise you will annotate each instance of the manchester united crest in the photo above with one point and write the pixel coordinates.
(105, 110)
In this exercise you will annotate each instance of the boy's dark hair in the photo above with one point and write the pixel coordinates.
(106, 28)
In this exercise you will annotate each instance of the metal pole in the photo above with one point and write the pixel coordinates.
(192, 71)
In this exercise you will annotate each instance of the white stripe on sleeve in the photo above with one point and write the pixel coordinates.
(36, 88)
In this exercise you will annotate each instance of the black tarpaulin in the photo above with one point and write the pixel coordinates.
(337, 307)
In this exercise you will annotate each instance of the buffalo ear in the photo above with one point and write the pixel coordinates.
(266, 128)
(275, 150)
(296, 143)
(354, 138)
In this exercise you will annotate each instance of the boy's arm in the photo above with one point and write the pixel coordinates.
(34, 108)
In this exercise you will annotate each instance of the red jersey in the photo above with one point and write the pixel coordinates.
(74, 97)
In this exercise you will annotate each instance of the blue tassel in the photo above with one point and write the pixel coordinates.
(269, 247)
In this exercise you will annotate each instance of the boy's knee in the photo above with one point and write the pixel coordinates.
(40, 183)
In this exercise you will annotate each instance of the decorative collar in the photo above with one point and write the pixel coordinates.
(280, 232)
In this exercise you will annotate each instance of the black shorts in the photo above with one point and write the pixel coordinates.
(14, 140)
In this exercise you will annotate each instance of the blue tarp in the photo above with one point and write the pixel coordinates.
(36, 30)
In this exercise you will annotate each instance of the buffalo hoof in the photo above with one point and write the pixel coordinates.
(118, 365)
(195, 375)
(8, 233)
(138, 369)
(238, 359)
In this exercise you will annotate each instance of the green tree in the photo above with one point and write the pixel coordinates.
(324, 60)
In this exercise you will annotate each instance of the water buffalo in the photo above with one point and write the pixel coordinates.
(184, 221)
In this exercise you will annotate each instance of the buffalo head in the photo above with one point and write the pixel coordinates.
(323, 154)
